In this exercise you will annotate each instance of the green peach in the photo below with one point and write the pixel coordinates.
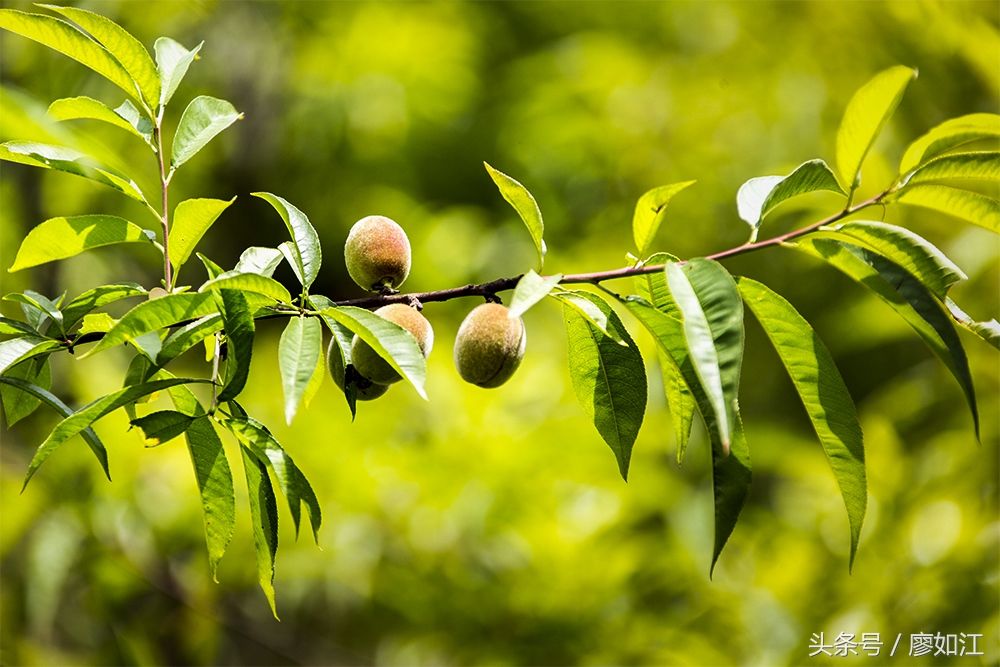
(489, 345)
(377, 253)
(368, 362)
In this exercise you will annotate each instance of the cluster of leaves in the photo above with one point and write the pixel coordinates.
(694, 309)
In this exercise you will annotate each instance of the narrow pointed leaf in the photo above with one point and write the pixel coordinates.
(248, 282)
(979, 166)
(948, 135)
(97, 297)
(907, 249)
(192, 218)
(154, 315)
(18, 404)
(525, 205)
(609, 379)
(866, 114)
(86, 416)
(291, 481)
(264, 519)
(16, 327)
(87, 108)
(579, 301)
(964, 204)
(908, 297)
(308, 255)
(182, 339)
(759, 196)
(823, 392)
(712, 313)
(650, 211)
(69, 41)
(172, 62)
(298, 353)
(203, 119)
(64, 237)
(125, 48)
(15, 350)
(69, 161)
(41, 305)
(51, 400)
(989, 330)
(531, 289)
(389, 340)
(262, 261)
(239, 327)
(163, 426)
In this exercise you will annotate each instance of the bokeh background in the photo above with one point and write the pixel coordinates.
(492, 527)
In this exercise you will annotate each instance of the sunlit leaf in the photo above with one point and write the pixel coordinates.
(126, 117)
(64, 237)
(248, 282)
(161, 427)
(97, 297)
(172, 62)
(183, 338)
(866, 114)
(650, 211)
(823, 392)
(948, 135)
(264, 519)
(69, 161)
(579, 301)
(609, 378)
(979, 166)
(202, 120)
(712, 314)
(308, 254)
(259, 260)
(964, 204)
(15, 350)
(18, 404)
(525, 205)
(192, 218)
(298, 354)
(531, 289)
(34, 302)
(989, 330)
(156, 314)
(759, 196)
(125, 48)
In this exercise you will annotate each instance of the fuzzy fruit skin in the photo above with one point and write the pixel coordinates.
(377, 253)
(365, 390)
(489, 346)
(373, 367)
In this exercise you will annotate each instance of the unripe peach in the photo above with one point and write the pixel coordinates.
(377, 253)
(489, 345)
(367, 361)
(365, 389)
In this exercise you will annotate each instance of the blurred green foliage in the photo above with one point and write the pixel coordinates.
(491, 527)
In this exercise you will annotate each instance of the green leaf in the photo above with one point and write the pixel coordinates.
(901, 246)
(126, 117)
(161, 427)
(185, 337)
(979, 166)
(759, 196)
(202, 120)
(96, 323)
(69, 161)
(908, 297)
(291, 481)
(154, 315)
(389, 340)
(264, 518)
(531, 289)
(989, 330)
(213, 475)
(172, 62)
(64, 237)
(42, 394)
(82, 419)
(18, 404)
(15, 350)
(650, 211)
(527, 208)
(211, 268)
(731, 472)
(866, 114)
(964, 204)
(192, 218)
(823, 392)
(298, 354)
(40, 304)
(712, 312)
(67, 40)
(653, 288)
(97, 297)
(308, 254)
(125, 48)
(9, 326)
(248, 282)
(580, 301)
(262, 261)
(239, 327)
(948, 135)
(609, 379)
